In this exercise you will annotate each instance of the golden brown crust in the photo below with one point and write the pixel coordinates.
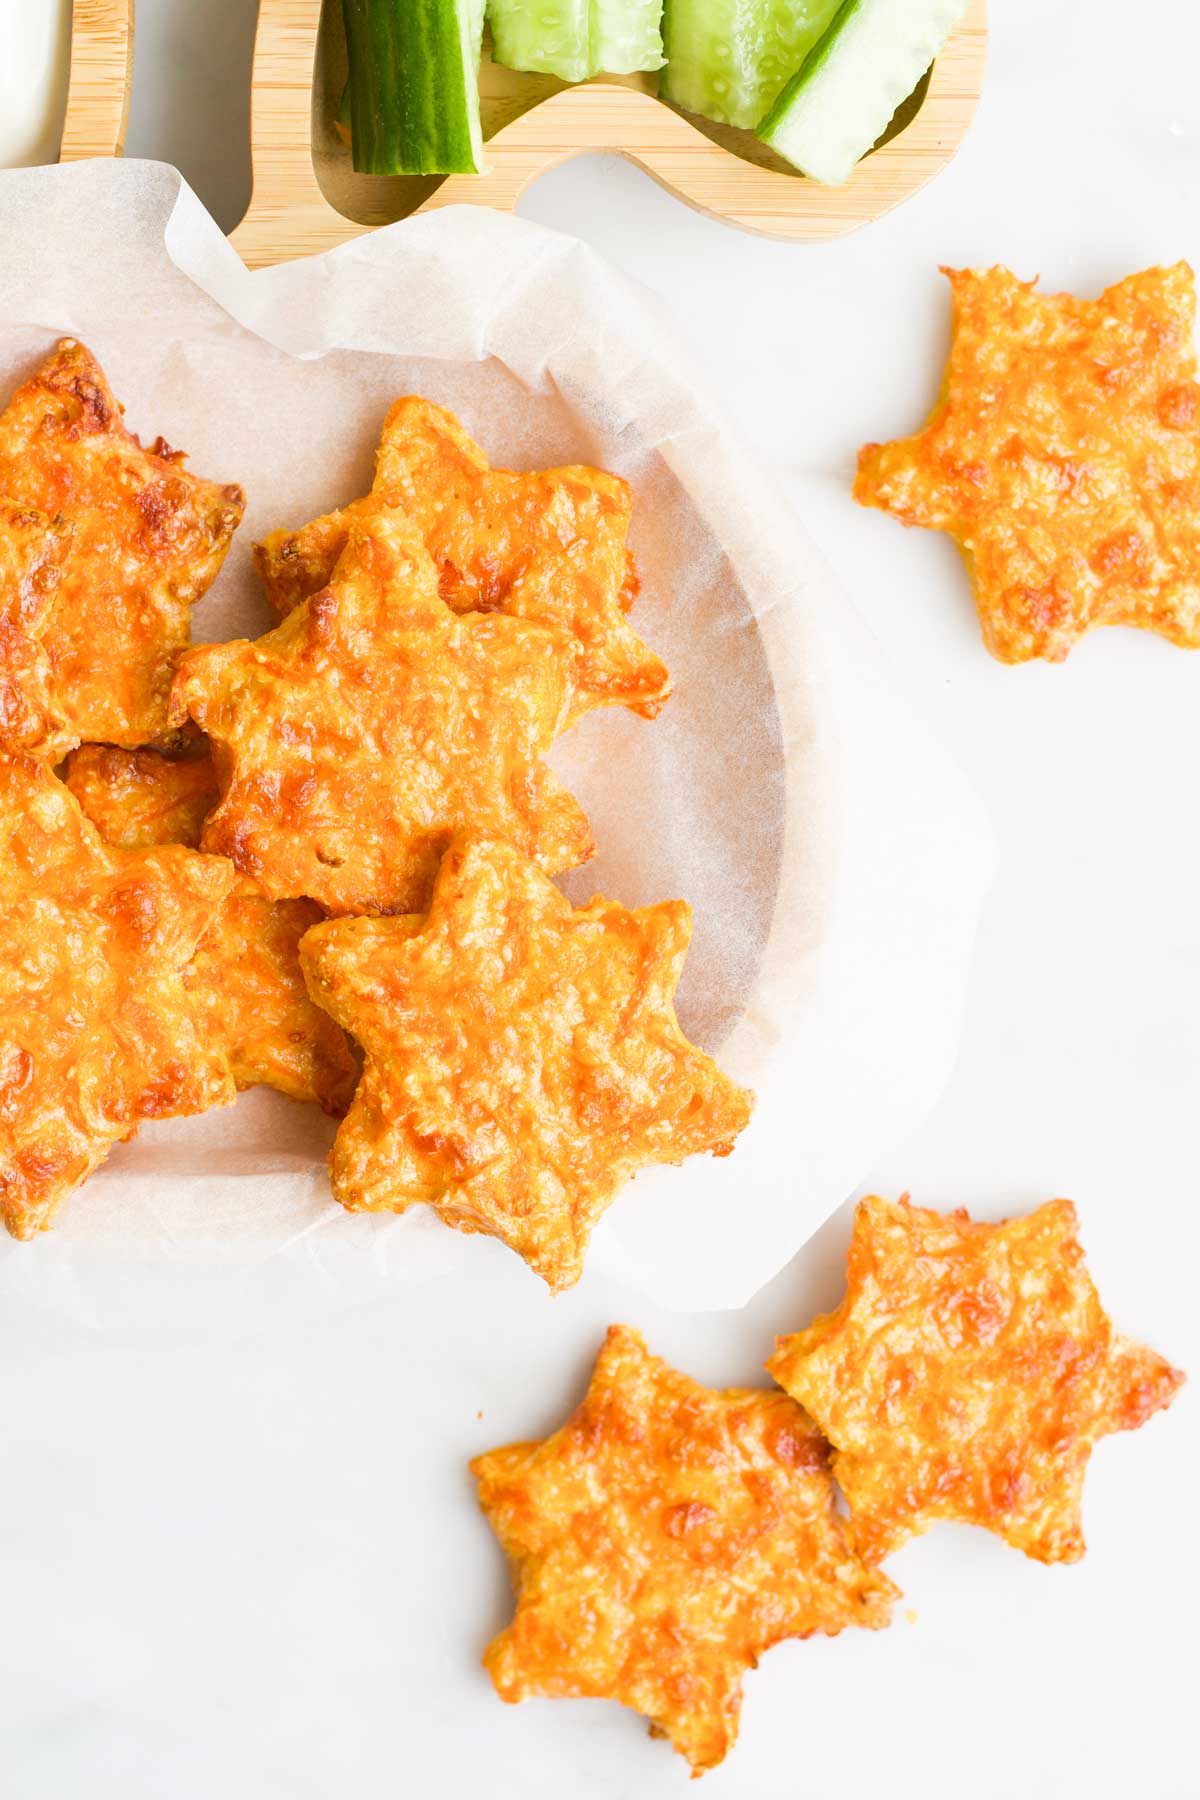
(523, 1058)
(661, 1541)
(33, 549)
(97, 1032)
(244, 981)
(138, 798)
(148, 541)
(966, 1375)
(249, 994)
(1064, 457)
(352, 740)
(548, 546)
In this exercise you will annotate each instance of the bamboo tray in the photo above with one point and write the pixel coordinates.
(306, 197)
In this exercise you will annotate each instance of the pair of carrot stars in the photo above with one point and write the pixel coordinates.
(667, 1535)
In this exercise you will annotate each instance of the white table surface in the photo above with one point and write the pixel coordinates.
(239, 1554)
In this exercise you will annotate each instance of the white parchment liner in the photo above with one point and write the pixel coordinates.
(833, 855)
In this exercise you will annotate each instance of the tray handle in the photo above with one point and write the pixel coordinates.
(101, 78)
(288, 215)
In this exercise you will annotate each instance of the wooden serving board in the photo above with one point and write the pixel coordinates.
(306, 197)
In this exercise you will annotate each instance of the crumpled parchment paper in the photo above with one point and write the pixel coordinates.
(833, 855)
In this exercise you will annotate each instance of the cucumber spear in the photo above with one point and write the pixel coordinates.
(841, 100)
(728, 59)
(414, 85)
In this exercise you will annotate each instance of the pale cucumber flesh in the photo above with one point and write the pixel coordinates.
(729, 59)
(626, 36)
(576, 39)
(842, 99)
(549, 37)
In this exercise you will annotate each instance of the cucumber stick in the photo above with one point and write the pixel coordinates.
(840, 102)
(575, 39)
(729, 59)
(414, 85)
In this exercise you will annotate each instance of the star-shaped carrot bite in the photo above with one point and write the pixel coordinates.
(1064, 458)
(966, 1375)
(32, 551)
(97, 1031)
(244, 981)
(547, 546)
(352, 740)
(523, 1058)
(148, 540)
(661, 1541)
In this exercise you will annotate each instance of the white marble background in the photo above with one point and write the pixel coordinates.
(238, 1550)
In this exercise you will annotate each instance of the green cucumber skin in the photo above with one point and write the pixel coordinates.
(811, 67)
(788, 127)
(728, 59)
(414, 85)
(576, 39)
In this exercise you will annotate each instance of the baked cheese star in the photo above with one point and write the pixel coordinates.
(661, 1541)
(97, 1030)
(148, 540)
(1064, 458)
(523, 1058)
(548, 546)
(352, 740)
(244, 981)
(966, 1375)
